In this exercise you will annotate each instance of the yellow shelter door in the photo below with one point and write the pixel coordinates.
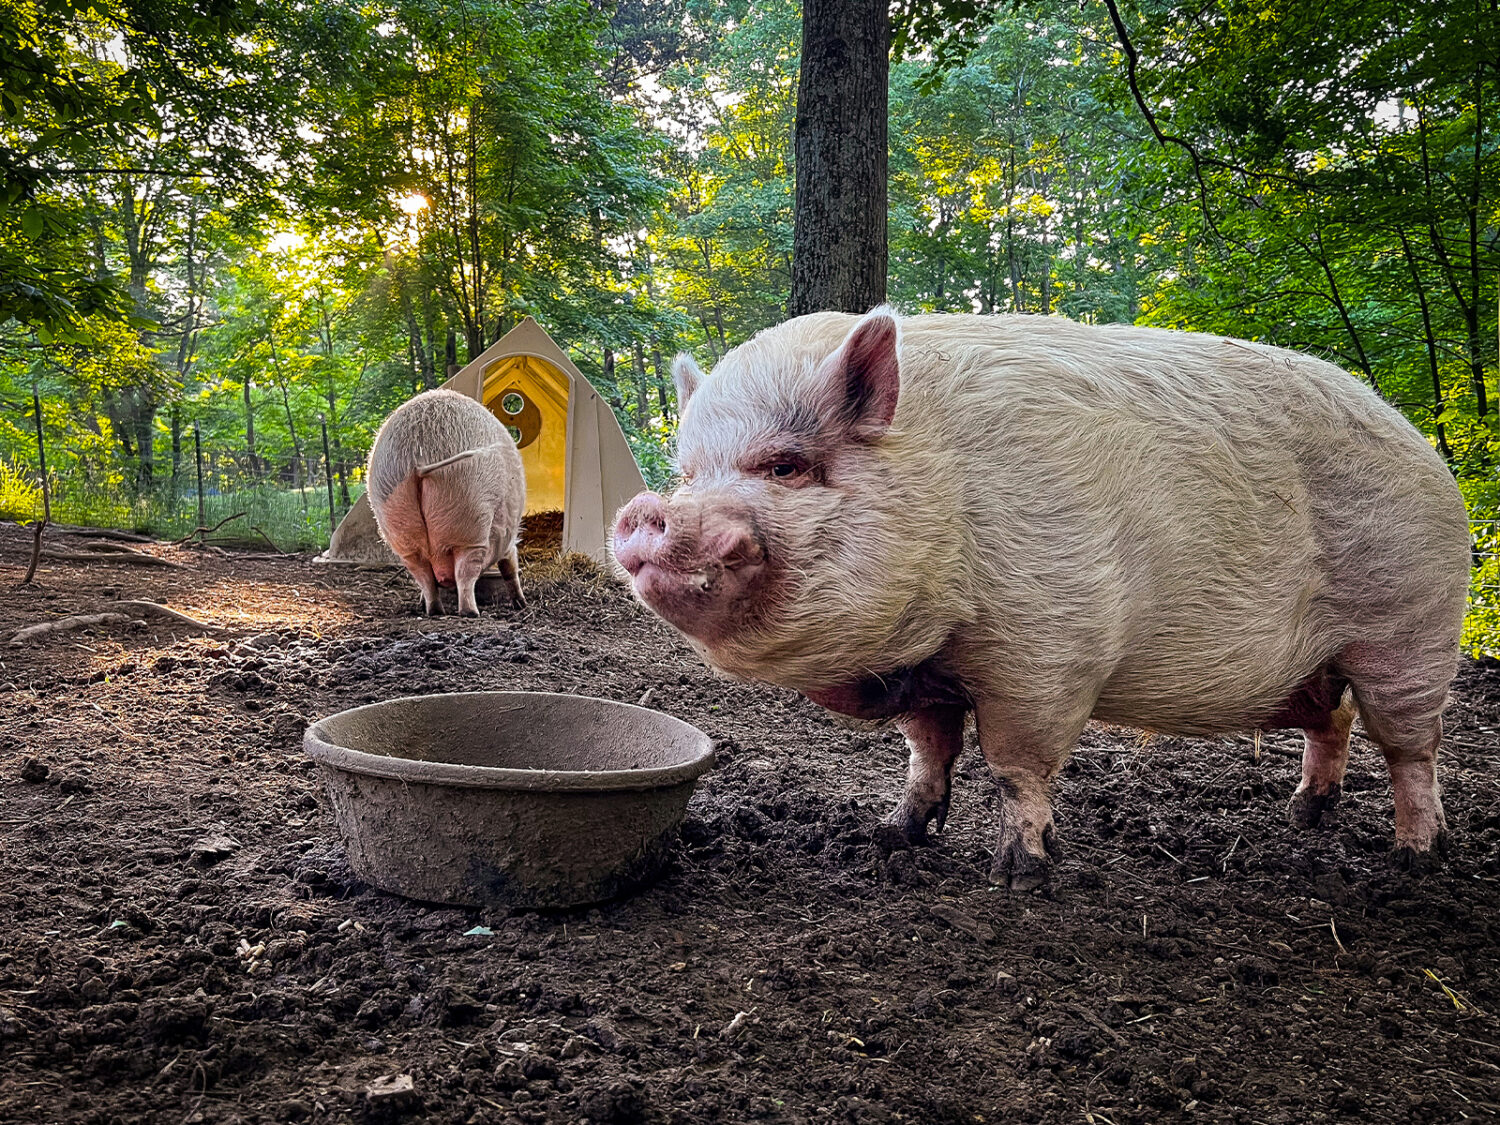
(530, 396)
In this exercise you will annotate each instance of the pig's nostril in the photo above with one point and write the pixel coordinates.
(644, 514)
(741, 549)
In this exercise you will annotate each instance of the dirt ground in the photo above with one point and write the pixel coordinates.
(181, 939)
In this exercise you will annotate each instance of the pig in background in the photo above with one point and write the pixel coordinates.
(1043, 522)
(448, 492)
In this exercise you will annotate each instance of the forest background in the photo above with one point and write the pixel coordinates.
(237, 222)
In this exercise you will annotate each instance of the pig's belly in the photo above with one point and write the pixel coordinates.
(1225, 705)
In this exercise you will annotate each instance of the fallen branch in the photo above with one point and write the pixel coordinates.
(138, 558)
(199, 532)
(67, 625)
(269, 541)
(85, 620)
(108, 548)
(102, 533)
(166, 613)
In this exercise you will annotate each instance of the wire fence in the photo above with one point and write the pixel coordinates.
(287, 501)
(1484, 537)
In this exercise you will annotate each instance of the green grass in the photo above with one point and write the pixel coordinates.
(284, 518)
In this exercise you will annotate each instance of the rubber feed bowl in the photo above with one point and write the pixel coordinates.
(507, 798)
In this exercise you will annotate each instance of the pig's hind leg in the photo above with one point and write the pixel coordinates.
(468, 565)
(1325, 755)
(421, 573)
(1025, 761)
(510, 570)
(936, 737)
(1401, 691)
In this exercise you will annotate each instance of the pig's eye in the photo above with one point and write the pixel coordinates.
(786, 467)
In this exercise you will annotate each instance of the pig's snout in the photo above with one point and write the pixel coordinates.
(640, 531)
(690, 562)
(687, 537)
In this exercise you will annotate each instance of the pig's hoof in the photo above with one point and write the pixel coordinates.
(1307, 808)
(1423, 861)
(911, 828)
(912, 822)
(889, 837)
(1020, 870)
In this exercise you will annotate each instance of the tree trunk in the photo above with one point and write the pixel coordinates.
(1471, 308)
(145, 443)
(421, 364)
(609, 379)
(291, 425)
(839, 237)
(708, 336)
(1430, 339)
(661, 381)
(642, 406)
(336, 462)
(41, 461)
(176, 419)
(250, 430)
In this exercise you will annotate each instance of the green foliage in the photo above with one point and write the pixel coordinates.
(723, 248)
(96, 88)
(20, 497)
(1481, 635)
(1007, 180)
(1342, 194)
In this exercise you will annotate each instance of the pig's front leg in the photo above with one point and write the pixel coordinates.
(510, 570)
(936, 737)
(468, 565)
(1025, 761)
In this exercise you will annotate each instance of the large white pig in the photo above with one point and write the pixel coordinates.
(1044, 522)
(448, 492)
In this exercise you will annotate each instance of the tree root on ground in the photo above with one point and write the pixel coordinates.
(112, 554)
(142, 609)
(99, 533)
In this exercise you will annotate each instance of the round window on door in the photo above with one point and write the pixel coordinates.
(520, 415)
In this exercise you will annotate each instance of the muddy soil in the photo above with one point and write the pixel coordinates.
(181, 939)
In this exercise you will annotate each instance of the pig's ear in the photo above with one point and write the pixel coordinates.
(862, 380)
(685, 377)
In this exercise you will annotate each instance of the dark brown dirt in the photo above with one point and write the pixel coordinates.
(182, 941)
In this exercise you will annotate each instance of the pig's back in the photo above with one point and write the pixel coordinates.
(1208, 520)
(428, 428)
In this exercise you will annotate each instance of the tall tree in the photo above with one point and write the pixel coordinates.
(839, 245)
